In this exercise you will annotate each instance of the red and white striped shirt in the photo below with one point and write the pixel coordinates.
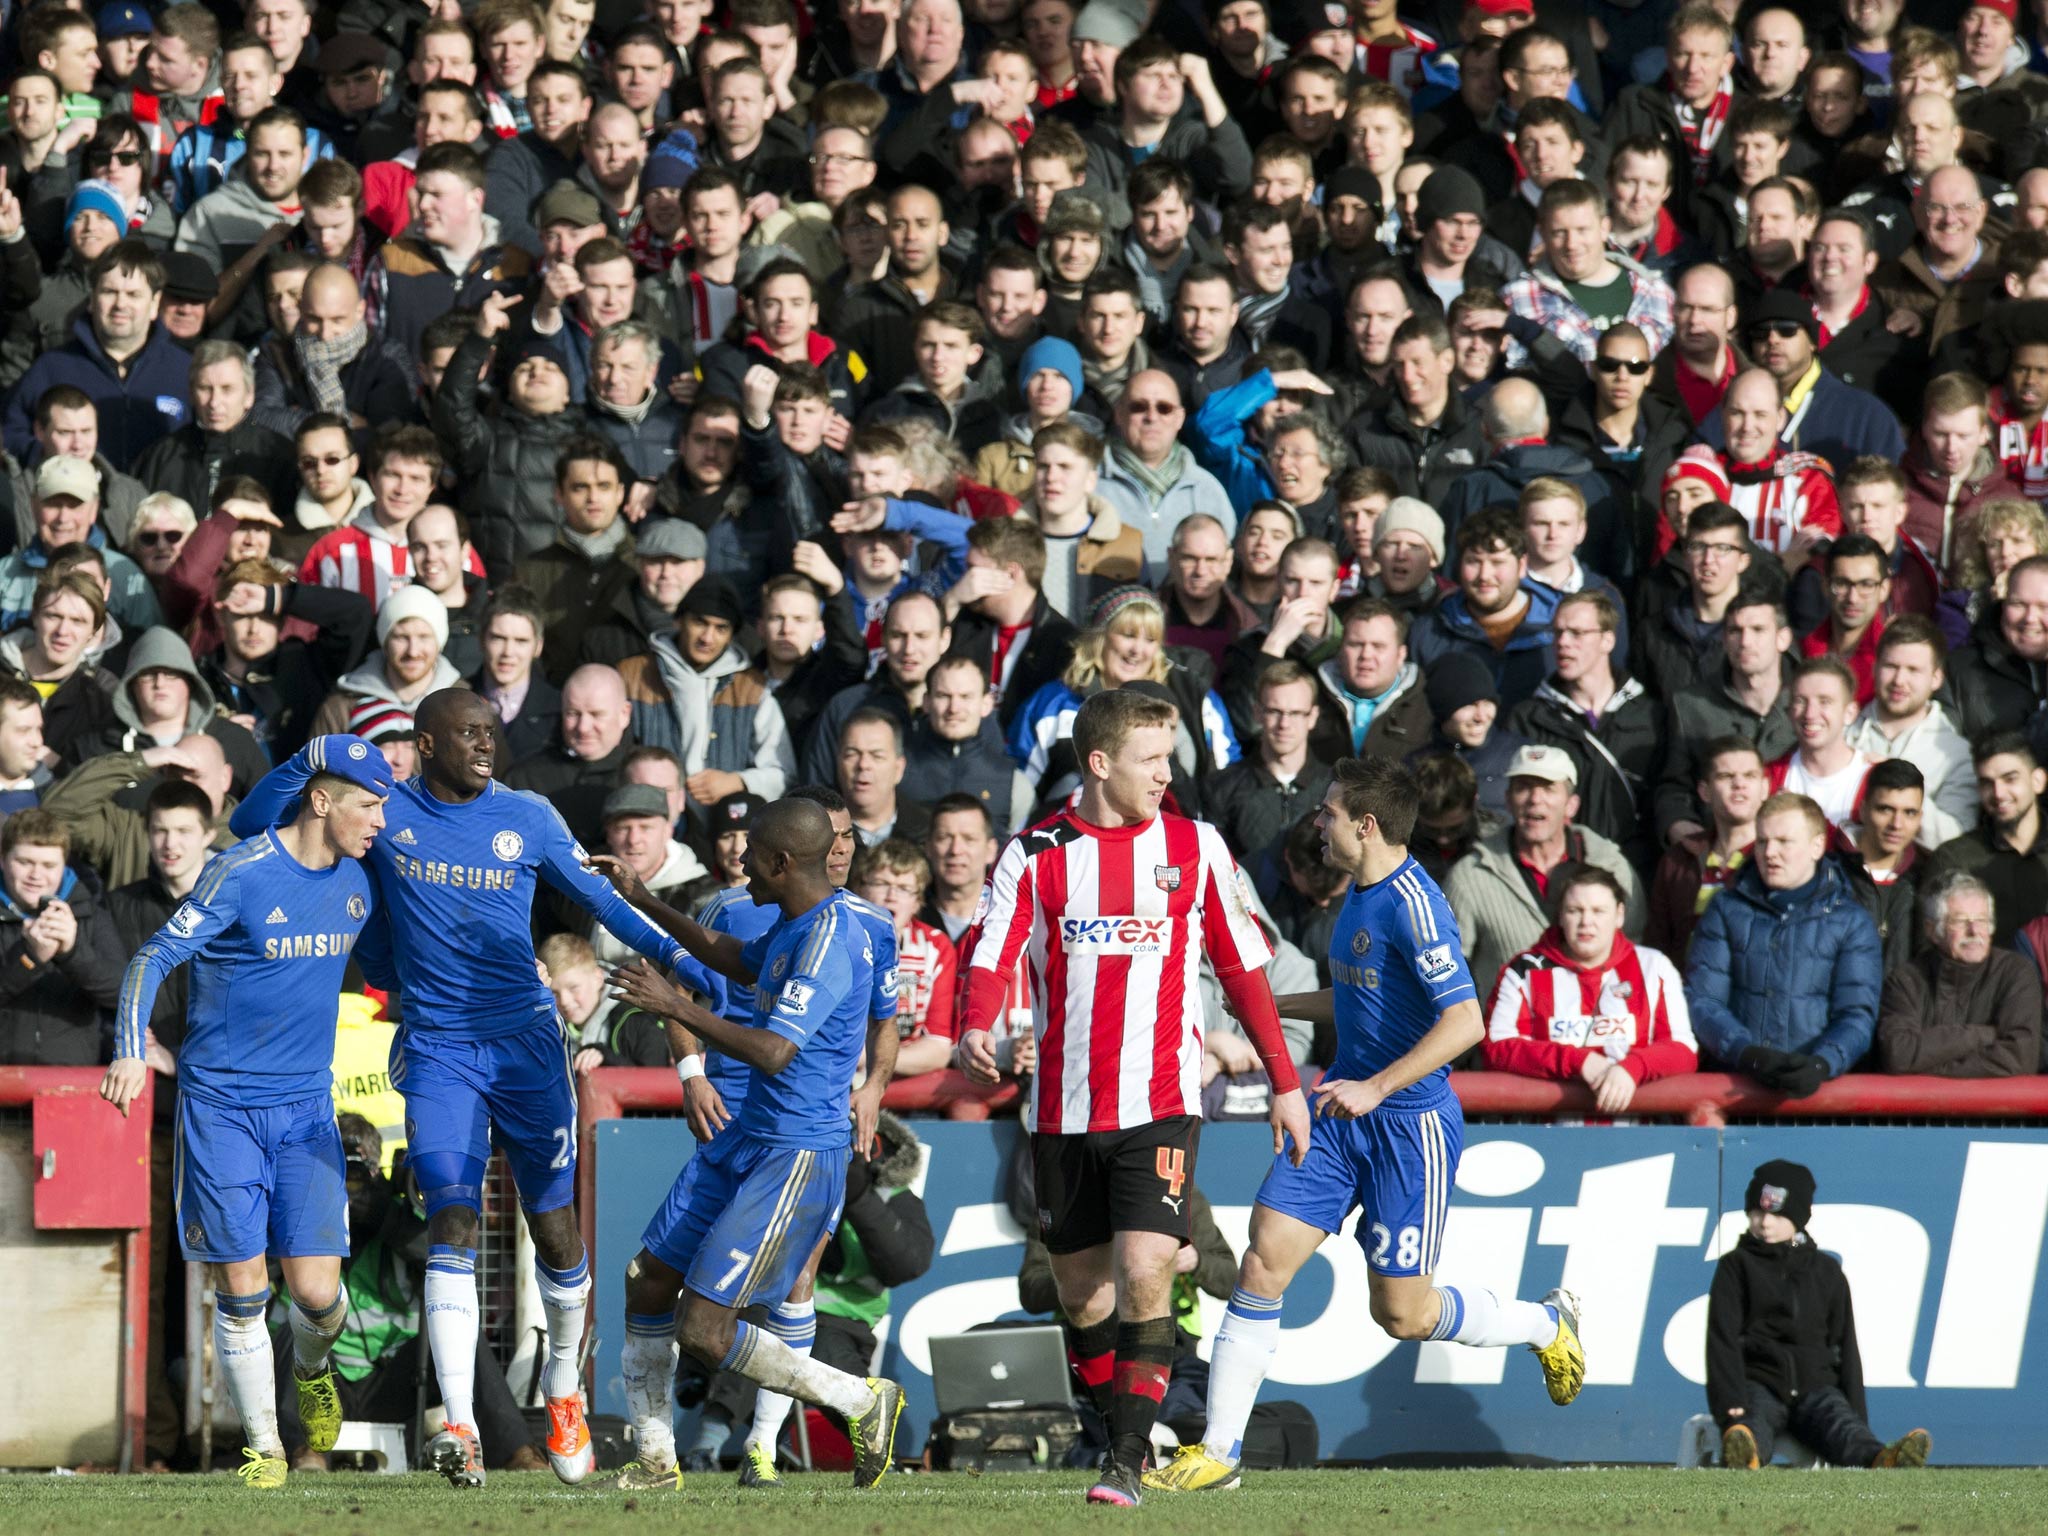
(1783, 496)
(1399, 64)
(1549, 1012)
(1113, 925)
(926, 974)
(366, 558)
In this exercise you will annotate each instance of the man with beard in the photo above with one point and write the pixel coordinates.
(1496, 614)
(2006, 849)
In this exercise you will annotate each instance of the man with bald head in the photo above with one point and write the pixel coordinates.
(1696, 369)
(878, 319)
(333, 362)
(1148, 475)
(1514, 425)
(1789, 514)
(1949, 275)
(112, 835)
(581, 765)
(614, 152)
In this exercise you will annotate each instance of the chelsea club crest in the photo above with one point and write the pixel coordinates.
(508, 845)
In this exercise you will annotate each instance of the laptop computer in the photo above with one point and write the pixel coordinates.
(1000, 1368)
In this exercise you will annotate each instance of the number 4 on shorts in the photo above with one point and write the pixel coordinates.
(1171, 1164)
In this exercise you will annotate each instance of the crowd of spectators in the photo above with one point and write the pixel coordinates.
(1629, 415)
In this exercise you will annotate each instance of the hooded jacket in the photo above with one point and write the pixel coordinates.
(1779, 1316)
(1793, 971)
(158, 649)
(722, 717)
(1549, 1012)
(56, 1013)
(369, 682)
(1498, 914)
(1518, 669)
(225, 223)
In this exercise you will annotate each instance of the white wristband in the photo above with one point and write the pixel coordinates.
(689, 1067)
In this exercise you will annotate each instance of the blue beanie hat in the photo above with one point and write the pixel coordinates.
(1062, 357)
(673, 162)
(351, 758)
(101, 197)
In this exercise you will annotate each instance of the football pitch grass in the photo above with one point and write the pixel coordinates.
(1639, 1501)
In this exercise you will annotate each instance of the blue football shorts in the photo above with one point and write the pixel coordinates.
(743, 1217)
(1397, 1164)
(464, 1095)
(257, 1180)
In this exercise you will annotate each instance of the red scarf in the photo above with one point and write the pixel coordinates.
(1701, 396)
(2023, 450)
(817, 346)
(1702, 130)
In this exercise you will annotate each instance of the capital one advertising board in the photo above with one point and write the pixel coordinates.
(1939, 1230)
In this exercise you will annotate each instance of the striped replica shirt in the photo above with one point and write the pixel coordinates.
(365, 558)
(1113, 925)
(927, 973)
(1550, 1011)
(1783, 496)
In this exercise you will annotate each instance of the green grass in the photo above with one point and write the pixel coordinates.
(1778, 1503)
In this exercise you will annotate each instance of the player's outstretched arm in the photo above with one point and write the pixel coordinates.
(720, 952)
(640, 985)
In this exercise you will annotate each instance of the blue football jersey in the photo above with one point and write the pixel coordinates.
(1396, 964)
(816, 981)
(457, 883)
(733, 911)
(268, 941)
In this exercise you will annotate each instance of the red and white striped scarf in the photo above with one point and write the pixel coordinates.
(1702, 130)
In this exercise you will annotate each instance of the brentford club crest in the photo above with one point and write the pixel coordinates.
(1166, 876)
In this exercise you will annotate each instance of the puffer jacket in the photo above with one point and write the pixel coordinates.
(58, 1014)
(723, 717)
(1797, 971)
(506, 463)
(1399, 726)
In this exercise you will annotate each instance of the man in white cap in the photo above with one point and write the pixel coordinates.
(1408, 547)
(412, 631)
(67, 509)
(1500, 891)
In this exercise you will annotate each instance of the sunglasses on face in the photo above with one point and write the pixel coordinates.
(1636, 367)
(323, 460)
(119, 157)
(150, 538)
(1150, 407)
(1777, 330)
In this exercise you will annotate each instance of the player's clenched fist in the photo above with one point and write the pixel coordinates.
(978, 1057)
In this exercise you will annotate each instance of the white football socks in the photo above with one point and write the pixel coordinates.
(241, 1348)
(452, 1314)
(1481, 1319)
(795, 1323)
(314, 1333)
(565, 1298)
(768, 1362)
(1238, 1364)
(647, 1368)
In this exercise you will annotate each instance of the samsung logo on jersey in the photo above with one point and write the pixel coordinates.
(467, 876)
(1117, 935)
(308, 946)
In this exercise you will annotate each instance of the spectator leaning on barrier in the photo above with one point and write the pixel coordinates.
(1786, 966)
(1500, 889)
(1585, 1004)
(1961, 1008)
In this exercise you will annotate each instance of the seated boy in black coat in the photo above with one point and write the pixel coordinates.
(1781, 1340)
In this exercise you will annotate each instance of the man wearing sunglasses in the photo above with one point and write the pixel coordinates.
(1822, 415)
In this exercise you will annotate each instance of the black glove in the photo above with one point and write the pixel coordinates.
(860, 1178)
(1763, 1063)
(1802, 1076)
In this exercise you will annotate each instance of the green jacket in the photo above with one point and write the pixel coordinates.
(106, 834)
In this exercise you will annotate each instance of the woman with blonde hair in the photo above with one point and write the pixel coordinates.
(2002, 534)
(1124, 645)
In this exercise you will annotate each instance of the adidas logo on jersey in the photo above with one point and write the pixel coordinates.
(277, 916)
(405, 837)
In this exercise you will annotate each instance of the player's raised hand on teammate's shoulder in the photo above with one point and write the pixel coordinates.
(1289, 1118)
(123, 1082)
(1346, 1098)
(640, 985)
(623, 879)
(978, 1057)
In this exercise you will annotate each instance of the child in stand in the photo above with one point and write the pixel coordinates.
(1781, 1340)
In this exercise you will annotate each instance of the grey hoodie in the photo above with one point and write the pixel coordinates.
(368, 682)
(160, 650)
(234, 216)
